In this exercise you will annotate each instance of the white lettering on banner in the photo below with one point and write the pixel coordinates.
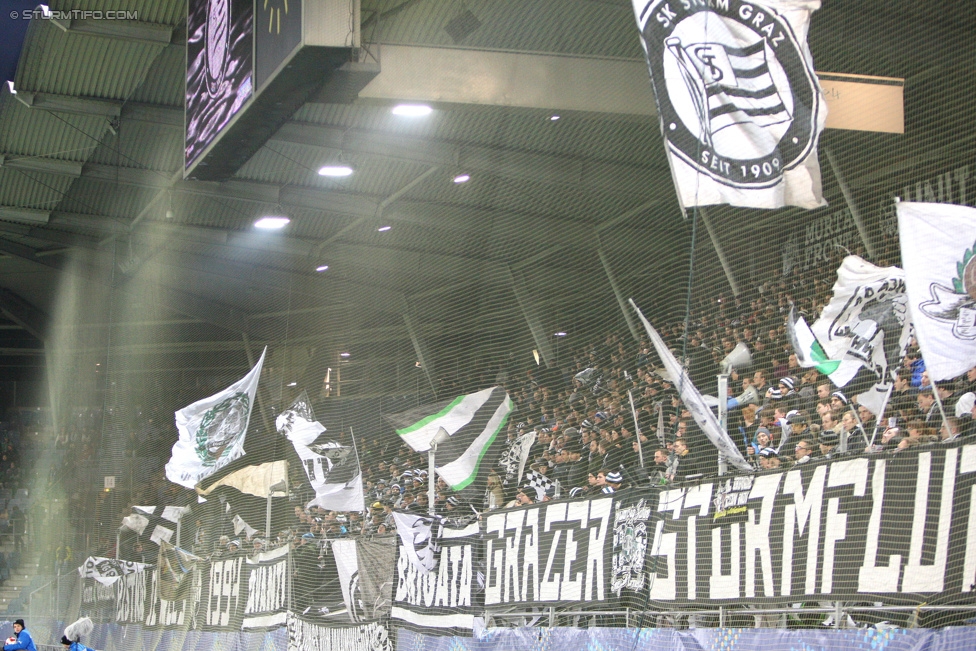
(267, 588)
(699, 497)
(130, 598)
(448, 586)
(97, 591)
(530, 555)
(163, 612)
(516, 549)
(803, 510)
(948, 187)
(666, 545)
(757, 535)
(304, 636)
(829, 523)
(872, 578)
(842, 473)
(930, 578)
(725, 586)
(225, 590)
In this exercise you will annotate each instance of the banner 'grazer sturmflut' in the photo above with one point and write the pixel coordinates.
(551, 553)
(740, 106)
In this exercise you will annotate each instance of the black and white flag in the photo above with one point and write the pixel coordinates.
(159, 521)
(740, 105)
(541, 484)
(332, 469)
(108, 570)
(419, 536)
(513, 459)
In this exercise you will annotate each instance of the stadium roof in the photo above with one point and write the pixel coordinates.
(91, 181)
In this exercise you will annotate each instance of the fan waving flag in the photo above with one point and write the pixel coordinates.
(212, 430)
(740, 106)
(938, 251)
(810, 352)
(692, 399)
(332, 469)
(866, 327)
(473, 422)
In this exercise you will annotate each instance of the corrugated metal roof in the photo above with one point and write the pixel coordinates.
(167, 12)
(142, 145)
(29, 189)
(165, 82)
(68, 63)
(30, 132)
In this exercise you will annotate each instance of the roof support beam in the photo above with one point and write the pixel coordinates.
(529, 305)
(605, 176)
(26, 215)
(108, 108)
(41, 164)
(23, 313)
(526, 80)
(129, 30)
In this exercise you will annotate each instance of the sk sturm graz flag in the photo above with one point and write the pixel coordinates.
(212, 430)
(938, 250)
(474, 423)
(740, 106)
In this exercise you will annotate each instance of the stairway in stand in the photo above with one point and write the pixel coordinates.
(12, 591)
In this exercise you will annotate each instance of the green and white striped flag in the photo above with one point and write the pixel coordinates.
(474, 423)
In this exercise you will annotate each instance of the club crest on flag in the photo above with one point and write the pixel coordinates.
(221, 426)
(956, 304)
(734, 89)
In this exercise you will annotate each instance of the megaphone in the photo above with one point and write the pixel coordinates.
(748, 397)
(739, 359)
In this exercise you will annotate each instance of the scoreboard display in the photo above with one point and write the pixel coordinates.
(250, 64)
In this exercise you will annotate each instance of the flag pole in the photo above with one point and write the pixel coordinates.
(355, 451)
(633, 412)
(881, 412)
(938, 402)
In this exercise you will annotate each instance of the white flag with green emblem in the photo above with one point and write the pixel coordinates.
(938, 250)
(212, 430)
(473, 422)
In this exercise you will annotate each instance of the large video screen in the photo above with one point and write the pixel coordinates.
(219, 68)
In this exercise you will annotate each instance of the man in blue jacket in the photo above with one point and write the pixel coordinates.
(22, 640)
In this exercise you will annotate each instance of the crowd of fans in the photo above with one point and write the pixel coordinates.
(612, 419)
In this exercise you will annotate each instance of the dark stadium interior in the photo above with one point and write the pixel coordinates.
(127, 292)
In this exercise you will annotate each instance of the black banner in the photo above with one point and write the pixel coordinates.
(224, 594)
(130, 597)
(162, 613)
(306, 635)
(894, 528)
(552, 553)
(444, 598)
(267, 590)
(98, 600)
